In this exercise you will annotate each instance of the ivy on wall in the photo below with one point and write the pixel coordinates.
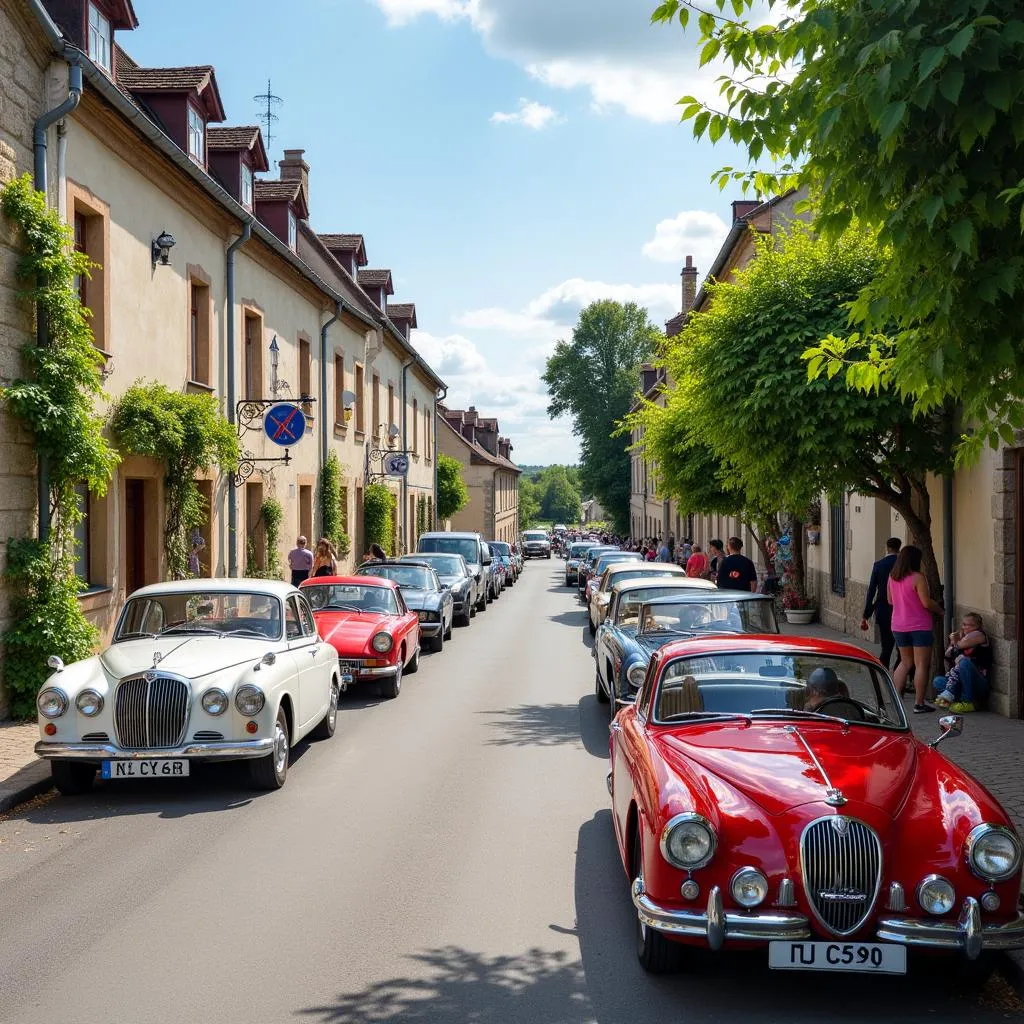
(379, 516)
(333, 503)
(421, 515)
(270, 518)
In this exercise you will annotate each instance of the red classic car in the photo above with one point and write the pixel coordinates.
(365, 619)
(766, 791)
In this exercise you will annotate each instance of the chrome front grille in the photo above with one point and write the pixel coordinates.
(841, 862)
(151, 711)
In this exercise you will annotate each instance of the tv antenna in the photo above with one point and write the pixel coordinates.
(267, 101)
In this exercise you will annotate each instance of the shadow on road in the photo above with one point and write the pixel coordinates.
(548, 725)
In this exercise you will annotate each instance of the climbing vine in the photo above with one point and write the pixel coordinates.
(55, 402)
(332, 504)
(421, 515)
(188, 434)
(271, 516)
(379, 515)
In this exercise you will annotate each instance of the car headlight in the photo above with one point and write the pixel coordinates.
(383, 642)
(936, 895)
(215, 702)
(688, 841)
(635, 675)
(89, 702)
(51, 702)
(749, 887)
(249, 700)
(993, 852)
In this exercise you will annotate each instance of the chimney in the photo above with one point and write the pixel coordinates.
(294, 168)
(648, 377)
(505, 448)
(689, 276)
(740, 208)
(487, 436)
(471, 416)
(469, 432)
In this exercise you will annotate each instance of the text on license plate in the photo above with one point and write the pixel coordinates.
(348, 668)
(170, 768)
(870, 957)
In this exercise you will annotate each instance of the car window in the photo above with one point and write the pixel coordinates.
(693, 615)
(180, 612)
(412, 576)
(465, 546)
(292, 622)
(628, 609)
(350, 597)
(403, 608)
(308, 622)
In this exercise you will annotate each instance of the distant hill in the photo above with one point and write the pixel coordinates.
(530, 470)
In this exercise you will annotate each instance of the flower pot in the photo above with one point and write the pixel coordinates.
(799, 616)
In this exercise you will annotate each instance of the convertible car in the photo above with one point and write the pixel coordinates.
(767, 792)
(619, 572)
(211, 670)
(422, 592)
(366, 620)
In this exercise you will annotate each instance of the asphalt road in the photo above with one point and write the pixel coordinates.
(447, 857)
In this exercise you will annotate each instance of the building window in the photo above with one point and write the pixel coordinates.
(376, 406)
(415, 425)
(305, 368)
(199, 332)
(252, 385)
(99, 38)
(82, 553)
(837, 546)
(293, 231)
(89, 218)
(81, 281)
(246, 186)
(339, 390)
(196, 135)
(360, 418)
(391, 404)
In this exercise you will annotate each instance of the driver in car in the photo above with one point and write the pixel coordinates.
(823, 685)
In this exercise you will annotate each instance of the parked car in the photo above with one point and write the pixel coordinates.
(422, 592)
(536, 544)
(767, 792)
(502, 552)
(198, 670)
(473, 549)
(574, 556)
(366, 620)
(517, 557)
(614, 557)
(586, 568)
(457, 577)
(620, 572)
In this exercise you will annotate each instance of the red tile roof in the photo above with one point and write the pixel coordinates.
(402, 311)
(279, 191)
(198, 78)
(377, 279)
(233, 137)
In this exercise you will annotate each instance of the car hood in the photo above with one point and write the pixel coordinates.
(419, 600)
(189, 656)
(350, 632)
(454, 581)
(768, 763)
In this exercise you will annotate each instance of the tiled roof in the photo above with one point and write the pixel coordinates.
(375, 278)
(346, 243)
(477, 451)
(234, 137)
(164, 79)
(277, 190)
(402, 311)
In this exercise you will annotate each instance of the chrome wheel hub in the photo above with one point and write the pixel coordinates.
(280, 749)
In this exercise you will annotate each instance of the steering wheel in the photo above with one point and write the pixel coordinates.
(841, 707)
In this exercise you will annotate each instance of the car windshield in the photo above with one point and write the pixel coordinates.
(620, 576)
(628, 611)
(198, 612)
(619, 556)
(500, 547)
(350, 597)
(443, 565)
(777, 685)
(408, 577)
(465, 546)
(596, 553)
(704, 616)
(535, 535)
(578, 550)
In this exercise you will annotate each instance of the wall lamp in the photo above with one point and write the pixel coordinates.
(160, 248)
(348, 399)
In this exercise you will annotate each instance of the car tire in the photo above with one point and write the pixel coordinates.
(451, 623)
(72, 778)
(590, 625)
(657, 955)
(437, 642)
(567, 583)
(391, 686)
(549, 555)
(602, 697)
(270, 772)
(327, 725)
(465, 617)
(414, 663)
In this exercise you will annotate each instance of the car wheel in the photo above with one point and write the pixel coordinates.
(414, 663)
(567, 581)
(464, 618)
(590, 625)
(391, 686)
(602, 697)
(327, 725)
(451, 623)
(657, 955)
(437, 642)
(72, 777)
(271, 771)
(549, 554)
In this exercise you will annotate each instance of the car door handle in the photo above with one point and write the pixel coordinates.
(314, 651)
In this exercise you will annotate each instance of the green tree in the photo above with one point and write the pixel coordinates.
(452, 493)
(593, 379)
(561, 500)
(906, 116)
(529, 502)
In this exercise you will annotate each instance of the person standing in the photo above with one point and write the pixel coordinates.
(912, 611)
(877, 601)
(300, 561)
(664, 554)
(326, 561)
(736, 571)
(697, 565)
(716, 554)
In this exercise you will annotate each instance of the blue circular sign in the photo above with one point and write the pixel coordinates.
(284, 424)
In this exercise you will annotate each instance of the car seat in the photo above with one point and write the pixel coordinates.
(681, 699)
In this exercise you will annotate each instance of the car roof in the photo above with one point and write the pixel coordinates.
(355, 581)
(217, 585)
(461, 536)
(682, 582)
(391, 561)
(668, 569)
(420, 558)
(717, 596)
(765, 643)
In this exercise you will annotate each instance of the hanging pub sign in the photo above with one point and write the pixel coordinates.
(284, 424)
(396, 464)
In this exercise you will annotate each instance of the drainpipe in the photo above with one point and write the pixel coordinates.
(232, 496)
(405, 446)
(39, 131)
(338, 309)
(439, 396)
(948, 573)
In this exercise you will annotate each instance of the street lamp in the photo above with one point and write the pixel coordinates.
(160, 248)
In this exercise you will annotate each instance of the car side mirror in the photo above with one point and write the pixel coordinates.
(55, 663)
(487, 561)
(949, 725)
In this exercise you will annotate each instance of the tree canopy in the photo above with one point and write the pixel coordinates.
(593, 379)
(550, 493)
(452, 493)
(906, 116)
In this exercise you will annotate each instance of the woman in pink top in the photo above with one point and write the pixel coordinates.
(912, 611)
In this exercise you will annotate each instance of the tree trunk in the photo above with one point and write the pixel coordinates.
(796, 546)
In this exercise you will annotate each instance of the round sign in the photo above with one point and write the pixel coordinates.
(284, 424)
(396, 465)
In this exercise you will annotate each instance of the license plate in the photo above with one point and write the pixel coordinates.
(867, 957)
(348, 668)
(175, 768)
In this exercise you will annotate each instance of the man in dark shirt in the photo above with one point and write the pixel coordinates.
(877, 601)
(736, 571)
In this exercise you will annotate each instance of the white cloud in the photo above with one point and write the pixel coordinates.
(564, 302)
(494, 318)
(401, 12)
(694, 233)
(530, 115)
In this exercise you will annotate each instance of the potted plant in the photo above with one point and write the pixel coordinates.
(797, 605)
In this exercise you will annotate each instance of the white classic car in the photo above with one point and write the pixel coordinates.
(205, 669)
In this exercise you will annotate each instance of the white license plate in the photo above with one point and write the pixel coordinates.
(171, 768)
(348, 668)
(867, 957)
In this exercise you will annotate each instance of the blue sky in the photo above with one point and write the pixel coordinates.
(509, 160)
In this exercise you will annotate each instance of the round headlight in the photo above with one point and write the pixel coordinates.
(215, 702)
(383, 642)
(688, 841)
(635, 675)
(936, 895)
(249, 700)
(993, 852)
(89, 702)
(749, 887)
(51, 702)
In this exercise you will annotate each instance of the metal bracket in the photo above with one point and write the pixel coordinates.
(249, 412)
(247, 465)
(380, 454)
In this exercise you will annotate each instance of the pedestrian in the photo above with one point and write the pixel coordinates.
(671, 548)
(300, 561)
(716, 553)
(325, 563)
(686, 552)
(697, 565)
(877, 601)
(968, 661)
(198, 544)
(736, 571)
(912, 611)
(664, 554)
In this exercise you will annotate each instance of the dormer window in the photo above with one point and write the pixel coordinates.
(99, 38)
(293, 231)
(246, 193)
(196, 135)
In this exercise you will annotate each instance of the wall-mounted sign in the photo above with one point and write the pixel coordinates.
(284, 424)
(396, 464)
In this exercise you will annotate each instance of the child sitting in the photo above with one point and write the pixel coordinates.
(968, 659)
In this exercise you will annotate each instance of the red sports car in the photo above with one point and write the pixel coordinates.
(366, 621)
(766, 791)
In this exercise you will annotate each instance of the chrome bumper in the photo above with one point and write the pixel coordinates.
(430, 628)
(108, 752)
(366, 673)
(715, 925)
(966, 934)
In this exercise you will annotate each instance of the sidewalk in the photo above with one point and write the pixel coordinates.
(22, 774)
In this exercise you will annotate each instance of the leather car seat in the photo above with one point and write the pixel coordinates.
(678, 700)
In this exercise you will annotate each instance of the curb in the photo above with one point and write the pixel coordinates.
(30, 781)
